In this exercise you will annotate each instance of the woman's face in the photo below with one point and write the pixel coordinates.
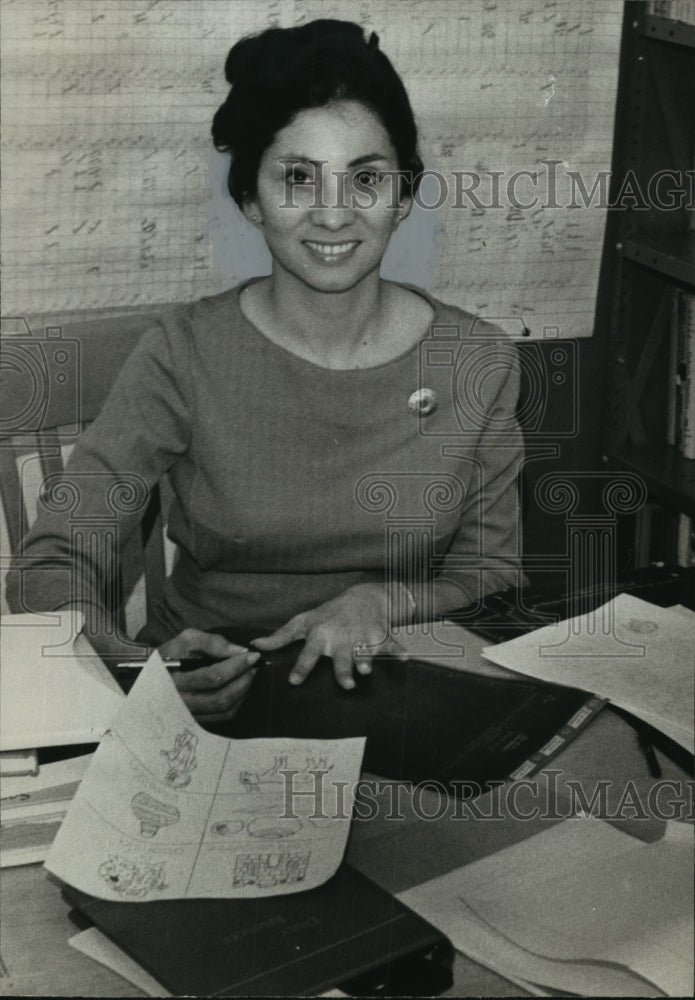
(326, 201)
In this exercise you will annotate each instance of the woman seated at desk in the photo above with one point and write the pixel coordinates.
(294, 414)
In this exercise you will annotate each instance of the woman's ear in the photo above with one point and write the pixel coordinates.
(252, 213)
(403, 211)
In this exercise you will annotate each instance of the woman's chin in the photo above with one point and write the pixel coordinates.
(334, 280)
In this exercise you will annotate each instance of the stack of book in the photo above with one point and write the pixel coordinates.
(56, 700)
(681, 398)
(681, 406)
(675, 10)
(33, 807)
(666, 535)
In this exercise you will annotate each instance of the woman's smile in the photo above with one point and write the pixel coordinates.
(331, 254)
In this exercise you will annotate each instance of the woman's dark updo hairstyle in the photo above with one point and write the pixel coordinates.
(282, 71)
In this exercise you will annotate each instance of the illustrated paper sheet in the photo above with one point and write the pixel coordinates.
(170, 811)
(638, 655)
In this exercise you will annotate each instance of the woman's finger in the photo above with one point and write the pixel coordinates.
(292, 630)
(217, 675)
(216, 645)
(392, 647)
(306, 661)
(220, 704)
(362, 653)
(192, 640)
(342, 666)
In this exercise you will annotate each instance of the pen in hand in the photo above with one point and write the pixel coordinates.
(192, 662)
(286, 656)
(187, 663)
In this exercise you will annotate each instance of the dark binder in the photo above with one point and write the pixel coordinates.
(347, 932)
(423, 721)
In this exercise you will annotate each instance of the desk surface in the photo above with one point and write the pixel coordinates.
(396, 853)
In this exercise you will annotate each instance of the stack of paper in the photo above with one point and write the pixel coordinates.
(15, 763)
(53, 690)
(97, 946)
(32, 808)
(638, 655)
(581, 907)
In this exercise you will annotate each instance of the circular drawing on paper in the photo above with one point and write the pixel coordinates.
(642, 627)
(227, 827)
(273, 828)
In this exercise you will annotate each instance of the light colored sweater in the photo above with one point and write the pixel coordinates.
(294, 482)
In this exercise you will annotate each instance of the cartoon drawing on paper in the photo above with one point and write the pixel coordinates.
(227, 827)
(322, 822)
(271, 869)
(270, 827)
(642, 626)
(253, 780)
(130, 879)
(317, 765)
(249, 780)
(182, 759)
(152, 813)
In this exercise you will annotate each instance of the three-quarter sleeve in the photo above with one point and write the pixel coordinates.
(485, 554)
(85, 515)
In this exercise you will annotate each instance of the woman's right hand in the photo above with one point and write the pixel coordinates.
(212, 693)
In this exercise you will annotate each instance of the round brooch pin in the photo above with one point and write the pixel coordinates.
(423, 402)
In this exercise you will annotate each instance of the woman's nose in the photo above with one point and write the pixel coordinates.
(332, 218)
(333, 208)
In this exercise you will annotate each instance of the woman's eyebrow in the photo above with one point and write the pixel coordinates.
(366, 159)
(293, 158)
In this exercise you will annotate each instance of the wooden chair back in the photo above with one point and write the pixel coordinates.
(53, 383)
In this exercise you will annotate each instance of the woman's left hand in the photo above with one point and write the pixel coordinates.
(350, 628)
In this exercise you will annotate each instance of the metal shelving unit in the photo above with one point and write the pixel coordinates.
(649, 252)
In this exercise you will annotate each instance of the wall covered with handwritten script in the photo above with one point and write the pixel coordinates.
(112, 195)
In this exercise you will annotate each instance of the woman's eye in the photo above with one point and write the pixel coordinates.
(367, 178)
(298, 176)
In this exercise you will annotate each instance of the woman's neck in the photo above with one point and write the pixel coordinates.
(332, 329)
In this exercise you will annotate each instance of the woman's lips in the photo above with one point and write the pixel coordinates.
(331, 253)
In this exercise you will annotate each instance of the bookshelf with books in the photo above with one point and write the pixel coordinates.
(648, 312)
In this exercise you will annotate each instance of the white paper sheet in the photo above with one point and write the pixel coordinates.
(170, 811)
(558, 908)
(54, 689)
(97, 946)
(640, 656)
